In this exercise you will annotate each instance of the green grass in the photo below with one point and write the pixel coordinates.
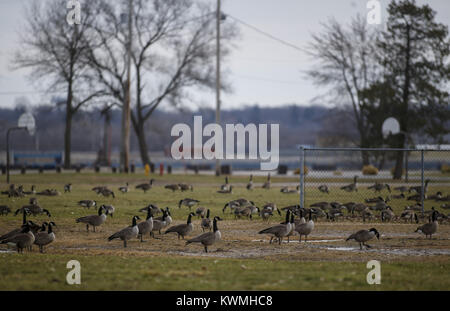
(48, 272)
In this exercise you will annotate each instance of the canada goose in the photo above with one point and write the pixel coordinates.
(387, 215)
(288, 190)
(34, 210)
(305, 228)
(378, 187)
(33, 201)
(380, 206)
(363, 236)
(44, 238)
(435, 197)
(106, 193)
(366, 214)
(206, 222)
(351, 187)
(93, 220)
(173, 187)
(24, 239)
(229, 190)
(33, 190)
(323, 188)
(87, 203)
(237, 203)
(182, 229)
(158, 224)
(301, 219)
(200, 211)
(245, 211)
(292, 232)
(155, 209)
(187, 202)
(185, 187)
(146, 226)
(124, 189)
(292, 208)
(358, 207)
(374, 200)
(168, 218)
(250, 183)
(418, 189)
(401, 189)
(68, 188)
(208, 238)
(146, 186)
(409, 214)
(109, 210)
(98, 189)
(127, 233)
(429, 228)
(279, 231)
(334, 213)
(445, 206)
(398, 196)
(266, 185)
(4, 210)
(265, 213)
(322, 205)
(316, 213)
(416, 197)
(18, 230)
(49, 192)
(271, 206)
(226, 186)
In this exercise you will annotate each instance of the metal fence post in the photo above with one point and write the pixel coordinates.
(422, 180)
(302, 176)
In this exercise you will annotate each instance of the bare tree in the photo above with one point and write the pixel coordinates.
(54, 50)
(173, 52)
(346, 62)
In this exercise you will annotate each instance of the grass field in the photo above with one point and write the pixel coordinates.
(243, 260)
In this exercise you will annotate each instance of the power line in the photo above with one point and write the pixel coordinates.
(268, 35)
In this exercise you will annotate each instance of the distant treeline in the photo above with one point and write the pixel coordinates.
(298, 125)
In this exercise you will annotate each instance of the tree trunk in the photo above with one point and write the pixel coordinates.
(404, 117)
(398, 170)
(138, 126)
(68, 130)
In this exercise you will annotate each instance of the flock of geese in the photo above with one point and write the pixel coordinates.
(298, 221)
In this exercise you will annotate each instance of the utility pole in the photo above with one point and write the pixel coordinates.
(125, 150)
(218, 17)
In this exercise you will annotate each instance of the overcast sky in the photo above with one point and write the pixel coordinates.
(262, 70)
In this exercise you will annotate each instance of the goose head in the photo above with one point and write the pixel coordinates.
(375, 231)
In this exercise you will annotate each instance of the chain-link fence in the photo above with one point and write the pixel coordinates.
(369, 183)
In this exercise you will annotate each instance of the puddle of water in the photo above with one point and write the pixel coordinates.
(6, 251)
(324, 241)
(309, 241)
(342, 248)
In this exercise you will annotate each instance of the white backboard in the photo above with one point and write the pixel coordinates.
(390, 127)
(27, 120)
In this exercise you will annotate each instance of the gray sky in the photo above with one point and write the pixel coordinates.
(261, 70)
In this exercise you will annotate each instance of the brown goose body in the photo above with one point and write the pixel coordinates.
(93, 220)
(208, 238)
(182, 229)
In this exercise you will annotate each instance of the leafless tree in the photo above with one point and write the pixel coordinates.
(346, 62)
(54, 50)
(172, 53)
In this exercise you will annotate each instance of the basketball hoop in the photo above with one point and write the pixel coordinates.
(390, 127)
(26, 120)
